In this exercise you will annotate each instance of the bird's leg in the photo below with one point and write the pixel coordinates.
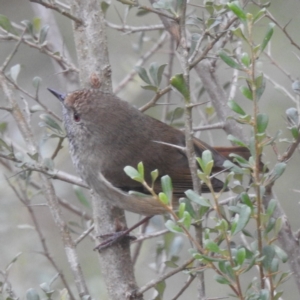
(120, 234)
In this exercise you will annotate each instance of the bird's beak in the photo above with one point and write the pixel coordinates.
(59, 96)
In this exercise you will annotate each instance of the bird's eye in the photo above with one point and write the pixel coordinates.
(76, 117)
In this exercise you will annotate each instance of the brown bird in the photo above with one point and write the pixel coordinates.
(106, 134)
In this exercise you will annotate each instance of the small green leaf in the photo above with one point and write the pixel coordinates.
(160, 288)
(292, 116)
(14, 72)
(274, 266)
(271, 207)
(259, 14)
(160, 72)
(295, 132)
(149, 88)
(206, 162)
(163, 198)
(140, 168)
(50, 123)
(278, 226)
(173, 227)
(246, 92)
(179, 84)
(233, 167)
(236, 141)
(239, 33)
(3, 127)
(264, 294)
(197, 198)
(45, 287)
(166, 184)
(229, 61)
(246, 200)
(211, 246)
(138, 194)
(43, 34)
(34, 156)
(240, 160)
(36, 22)
(246, 59)
(220, 279)
(189, 208)
(269, 253)
(181, 210)
(154, 175)
(279, 169)
(296, 86)
(133, 174)
(260, 83)
(36, 81)
(235, 7)
(153, 73)
(104, 6)
(243, 218)
(281, 253)
(270, 226)
(262, 122)
(80, 196)
(143, 74)
(6, 25)
(29, 27)
(267, 37)
(186, 220)
(32, 294)
(241, 255)
(170, 264)
(235, 107)
(142, 12)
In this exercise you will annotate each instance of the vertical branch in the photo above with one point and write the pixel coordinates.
(92, 53)
(256, 170)
(183, 57)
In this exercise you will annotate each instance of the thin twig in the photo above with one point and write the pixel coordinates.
(12, 54)
(59, 10)
(84, 234)
(54, 174)
(219, 125)
(186, 285)
(152, 283)
(155, 98)
(140, 62)
(132, 29)
(270, 16)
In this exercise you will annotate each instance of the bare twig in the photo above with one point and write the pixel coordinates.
(132, 29)
(59, 10)
(42, 48)
(152, 283)
(283, 29)
(219, 125)
(155, 98)
(140, 62)
(54, 174)
(12, 54)
(84, 234)
(186, 285)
